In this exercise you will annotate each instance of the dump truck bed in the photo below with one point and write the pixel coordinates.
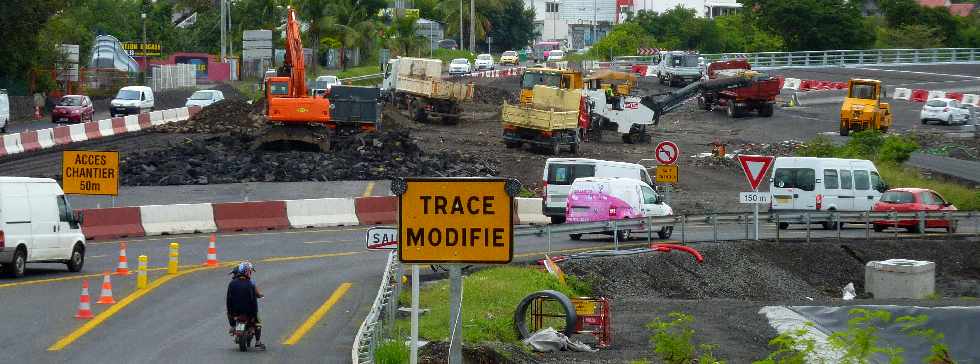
(545, 120)
(436, 88)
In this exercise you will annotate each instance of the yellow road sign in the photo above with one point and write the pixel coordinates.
(455, 220)
(90, 173)
(667, 173)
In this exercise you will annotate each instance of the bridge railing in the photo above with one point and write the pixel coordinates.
(379, 324)
(853, 57)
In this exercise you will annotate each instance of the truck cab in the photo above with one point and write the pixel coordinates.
(560, 78)
(679, 68)
(863, 109)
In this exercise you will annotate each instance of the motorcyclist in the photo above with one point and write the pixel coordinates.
(242, 300)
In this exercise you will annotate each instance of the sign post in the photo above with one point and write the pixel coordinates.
(666, 154)
(455, 221)
(755, 168)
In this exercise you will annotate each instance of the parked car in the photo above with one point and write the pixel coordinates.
(73, 109)
(37, 225)
(484, 62)
(510, 57)
(131, 100)
(560, 173)
(913, 200)
(322, 85)
(592, 199)
(204, 98)
(807, 184)
(556, 55)
(945, 111)
(448, 44)
(4, 111)
(459, 66)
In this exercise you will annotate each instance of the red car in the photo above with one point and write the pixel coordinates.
(73, 109)
(913, 200)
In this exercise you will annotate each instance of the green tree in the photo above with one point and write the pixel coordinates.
(512, 27)
(314, 12)
(738, 34)
(909, 36)
(812, 24)
(622, 40)
(484, 10)
(350, 24)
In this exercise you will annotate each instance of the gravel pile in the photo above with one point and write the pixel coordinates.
(782, 149)
(495, 96)
(226, 116)
(773, 271)
(229, 159)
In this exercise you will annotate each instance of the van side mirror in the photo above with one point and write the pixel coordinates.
(77, 217)
(881, 187)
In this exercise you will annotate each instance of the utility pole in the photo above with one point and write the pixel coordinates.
(594, 10)
(460, 24)
(146, 67)
(224, 24)
(472, 25)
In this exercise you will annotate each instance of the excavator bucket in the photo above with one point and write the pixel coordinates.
(305, 137)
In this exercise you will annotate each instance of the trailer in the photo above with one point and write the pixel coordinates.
(354, 109)
(759, 96)
(416, 85)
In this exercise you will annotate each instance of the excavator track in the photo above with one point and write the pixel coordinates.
(286, 137)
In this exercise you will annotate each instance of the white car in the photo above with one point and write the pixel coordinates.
(556, 55)
(945, 111)
(204, 98)
(459, 66)
(37, 225)
(484, 62)
(323, 84)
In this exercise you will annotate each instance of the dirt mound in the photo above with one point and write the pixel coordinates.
(226, 116)
(169, 99)
(774, 271)
(494, 96)
(229, 159)
(501, 353)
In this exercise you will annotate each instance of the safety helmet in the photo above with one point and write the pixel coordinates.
(245, 268)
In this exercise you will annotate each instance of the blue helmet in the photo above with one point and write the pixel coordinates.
(245, 268)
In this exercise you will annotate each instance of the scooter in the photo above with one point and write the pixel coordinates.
(244, 332)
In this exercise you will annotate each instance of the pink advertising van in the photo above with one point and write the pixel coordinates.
(592, 199)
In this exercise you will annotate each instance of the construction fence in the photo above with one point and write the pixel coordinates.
(174, 76)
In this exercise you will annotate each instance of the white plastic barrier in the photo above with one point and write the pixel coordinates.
(902, 94)
(971, 99)
(11, 142)
(156, 118)
(77, 133)
(936, 94)
(321, 212)
(652, 71)
(45, 137)
(169, 115)
(132, 123)
(105, 127)
(178, 219)
(529, 211)
(182, 114)
(792, 83)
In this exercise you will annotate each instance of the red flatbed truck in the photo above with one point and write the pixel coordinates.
(759, 95)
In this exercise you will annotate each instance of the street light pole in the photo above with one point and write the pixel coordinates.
(460, 24)
(146, 67)
(594, 10)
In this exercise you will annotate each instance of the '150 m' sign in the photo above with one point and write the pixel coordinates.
(455, 221)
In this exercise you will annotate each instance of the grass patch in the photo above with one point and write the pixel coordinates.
(361, 71)
(447, 55)
(489, 299)
(965, 198)
(391, 352)
(248, 90)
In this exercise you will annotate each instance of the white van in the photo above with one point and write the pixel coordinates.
(131, 100)
(37, 225)
(824, 184)
(4, 111)
(592, 199)
(559, 173)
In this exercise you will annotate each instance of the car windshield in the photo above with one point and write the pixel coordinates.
(547, 79)
(460, 61)
(801, 178)
(128, 95)
(201, 95)
(689, 60)
(70, 101)
(897, 197)
(510, 53)
(484, 57)
(936, 103)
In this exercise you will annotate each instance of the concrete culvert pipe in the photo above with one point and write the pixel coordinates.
(520, 315)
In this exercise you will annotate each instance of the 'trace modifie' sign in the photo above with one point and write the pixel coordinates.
(455, 220)
(90, 173)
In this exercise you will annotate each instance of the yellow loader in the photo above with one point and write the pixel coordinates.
(863, 108)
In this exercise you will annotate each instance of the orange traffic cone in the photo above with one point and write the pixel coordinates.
(84, 306)
(123, 268)
(106, 297)
(212, 253)
(37, 113)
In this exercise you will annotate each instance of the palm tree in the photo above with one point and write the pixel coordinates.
(314, 11)
(355, 29)
(482, 22)
(402, 39)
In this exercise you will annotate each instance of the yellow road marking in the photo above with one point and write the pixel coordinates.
(317, 315)
(302, 257)
(112, 310)
(369, 189)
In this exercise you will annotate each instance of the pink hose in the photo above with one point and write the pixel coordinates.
(687, 249)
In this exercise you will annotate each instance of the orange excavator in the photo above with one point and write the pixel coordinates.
(295, 119)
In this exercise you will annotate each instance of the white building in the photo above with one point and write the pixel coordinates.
(573, 21)
(703, 8)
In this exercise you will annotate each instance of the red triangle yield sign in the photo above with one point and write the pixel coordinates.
(755, 167)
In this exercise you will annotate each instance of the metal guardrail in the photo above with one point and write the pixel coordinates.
(380, 321)
(378, 324)
(853, 57)
(362, 78)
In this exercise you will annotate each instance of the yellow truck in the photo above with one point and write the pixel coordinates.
(565, 79)
(548, 122)
(863, 109)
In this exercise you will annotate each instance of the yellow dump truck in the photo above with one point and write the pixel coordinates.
(565, 79)
(863, 109)
(549, 122)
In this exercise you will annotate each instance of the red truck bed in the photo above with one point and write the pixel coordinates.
(762, 90)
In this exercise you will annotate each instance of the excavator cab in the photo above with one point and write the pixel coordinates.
(564, 79)
(863, 109)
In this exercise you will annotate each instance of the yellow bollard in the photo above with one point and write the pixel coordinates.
(141, 272)
(174, 258)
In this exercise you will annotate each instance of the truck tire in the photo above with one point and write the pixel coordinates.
(731, 110)
(703, 103)
(573, 148)
(766, 110)
(418, 112)
(554, 148)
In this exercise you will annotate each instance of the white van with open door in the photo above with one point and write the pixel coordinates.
(37, 226)
(559, 173)
(801, 184)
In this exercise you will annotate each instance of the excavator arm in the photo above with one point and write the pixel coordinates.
(293, 66)
(667, 102)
